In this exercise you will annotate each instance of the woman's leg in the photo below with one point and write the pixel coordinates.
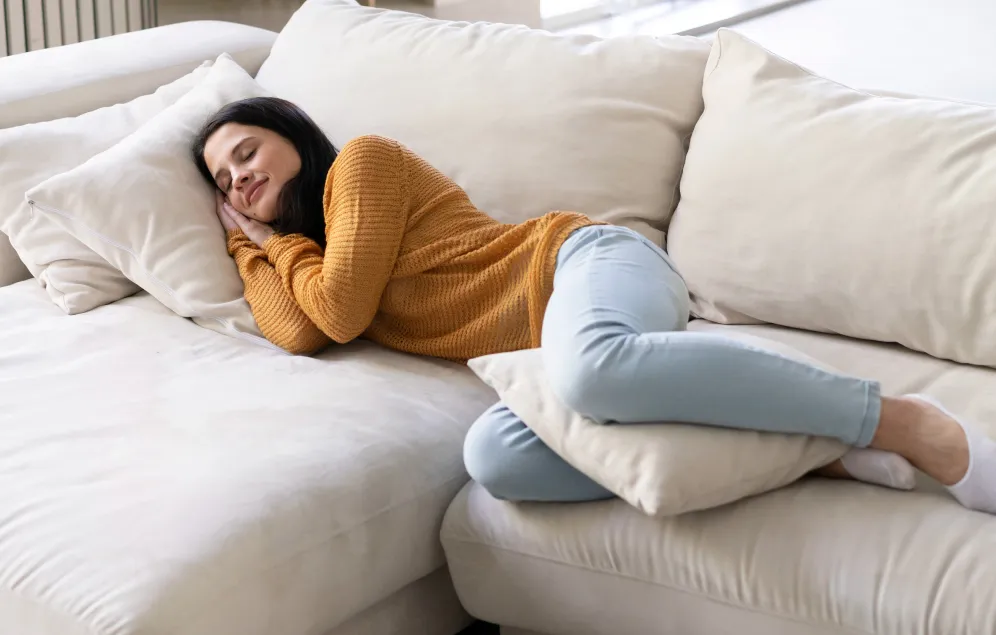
(509, 460)
(615, 349)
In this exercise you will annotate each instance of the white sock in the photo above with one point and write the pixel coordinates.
(879, 468)
(977, 489)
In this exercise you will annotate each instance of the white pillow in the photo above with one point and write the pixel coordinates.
(809, 204)
(526, 121)
(661, 469)
(75, 277)
(144, 207)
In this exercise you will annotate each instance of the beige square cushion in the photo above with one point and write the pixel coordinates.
(662, 469)
(75, 277)
(526, 121)
(809, 204)
(144, 207)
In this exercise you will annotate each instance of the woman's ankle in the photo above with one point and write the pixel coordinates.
(925, 436)
(898, 427)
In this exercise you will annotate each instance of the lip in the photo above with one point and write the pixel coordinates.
(255, 190)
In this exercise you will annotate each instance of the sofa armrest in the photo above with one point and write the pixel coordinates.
(70, 80)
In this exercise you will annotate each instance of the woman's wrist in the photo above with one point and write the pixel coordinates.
(269, 242)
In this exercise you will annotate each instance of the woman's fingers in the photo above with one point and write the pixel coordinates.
(243, 222)
(256, 231)
(234, 215)
(225, 215)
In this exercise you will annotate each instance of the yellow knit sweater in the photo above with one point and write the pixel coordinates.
(410, 263)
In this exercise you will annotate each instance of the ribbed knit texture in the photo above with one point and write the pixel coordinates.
(410, 263)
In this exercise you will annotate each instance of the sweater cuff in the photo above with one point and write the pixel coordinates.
(235, 238)
(274, 246)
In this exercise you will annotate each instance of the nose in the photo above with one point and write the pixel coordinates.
(242, 178)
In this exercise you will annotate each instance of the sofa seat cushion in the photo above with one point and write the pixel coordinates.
(162, 478)
(818, 557)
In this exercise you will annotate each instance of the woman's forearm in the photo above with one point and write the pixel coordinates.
(279, 317)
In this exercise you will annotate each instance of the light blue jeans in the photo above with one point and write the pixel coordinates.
(615, 348)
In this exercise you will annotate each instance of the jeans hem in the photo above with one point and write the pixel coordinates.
(873, 413)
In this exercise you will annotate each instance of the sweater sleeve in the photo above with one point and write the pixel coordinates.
(366, 211)
(280, 319)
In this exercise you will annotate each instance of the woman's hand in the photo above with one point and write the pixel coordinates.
(256, 231)
(226, 220)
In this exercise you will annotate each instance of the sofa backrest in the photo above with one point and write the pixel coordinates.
(809, 204)
(70, 80)
(526, 121)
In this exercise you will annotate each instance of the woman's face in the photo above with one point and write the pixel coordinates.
(251, 166)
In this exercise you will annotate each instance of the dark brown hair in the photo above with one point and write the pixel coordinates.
(299, 207)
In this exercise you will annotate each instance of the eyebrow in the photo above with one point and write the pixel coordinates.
(235, 150)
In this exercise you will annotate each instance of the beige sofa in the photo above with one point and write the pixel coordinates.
(162, 478)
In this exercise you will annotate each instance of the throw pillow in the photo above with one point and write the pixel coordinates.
(812, 205)
(144, 207)
(661, 469)
(75, 277)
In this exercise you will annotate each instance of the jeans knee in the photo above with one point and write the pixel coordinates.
(584, 380)
(484, 454)
(574, 386)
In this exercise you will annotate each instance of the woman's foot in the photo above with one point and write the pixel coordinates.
(973, 484)
(877, 467)
(952, 451)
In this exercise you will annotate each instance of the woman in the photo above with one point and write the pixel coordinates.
(376, 242)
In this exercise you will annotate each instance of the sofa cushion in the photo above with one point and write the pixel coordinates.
(662, 469)
(173, 480)
(808, 204)
(526, 121)
(428, 606)
(143, 206)
(67, 81)
(75, 277)
(819, 557)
